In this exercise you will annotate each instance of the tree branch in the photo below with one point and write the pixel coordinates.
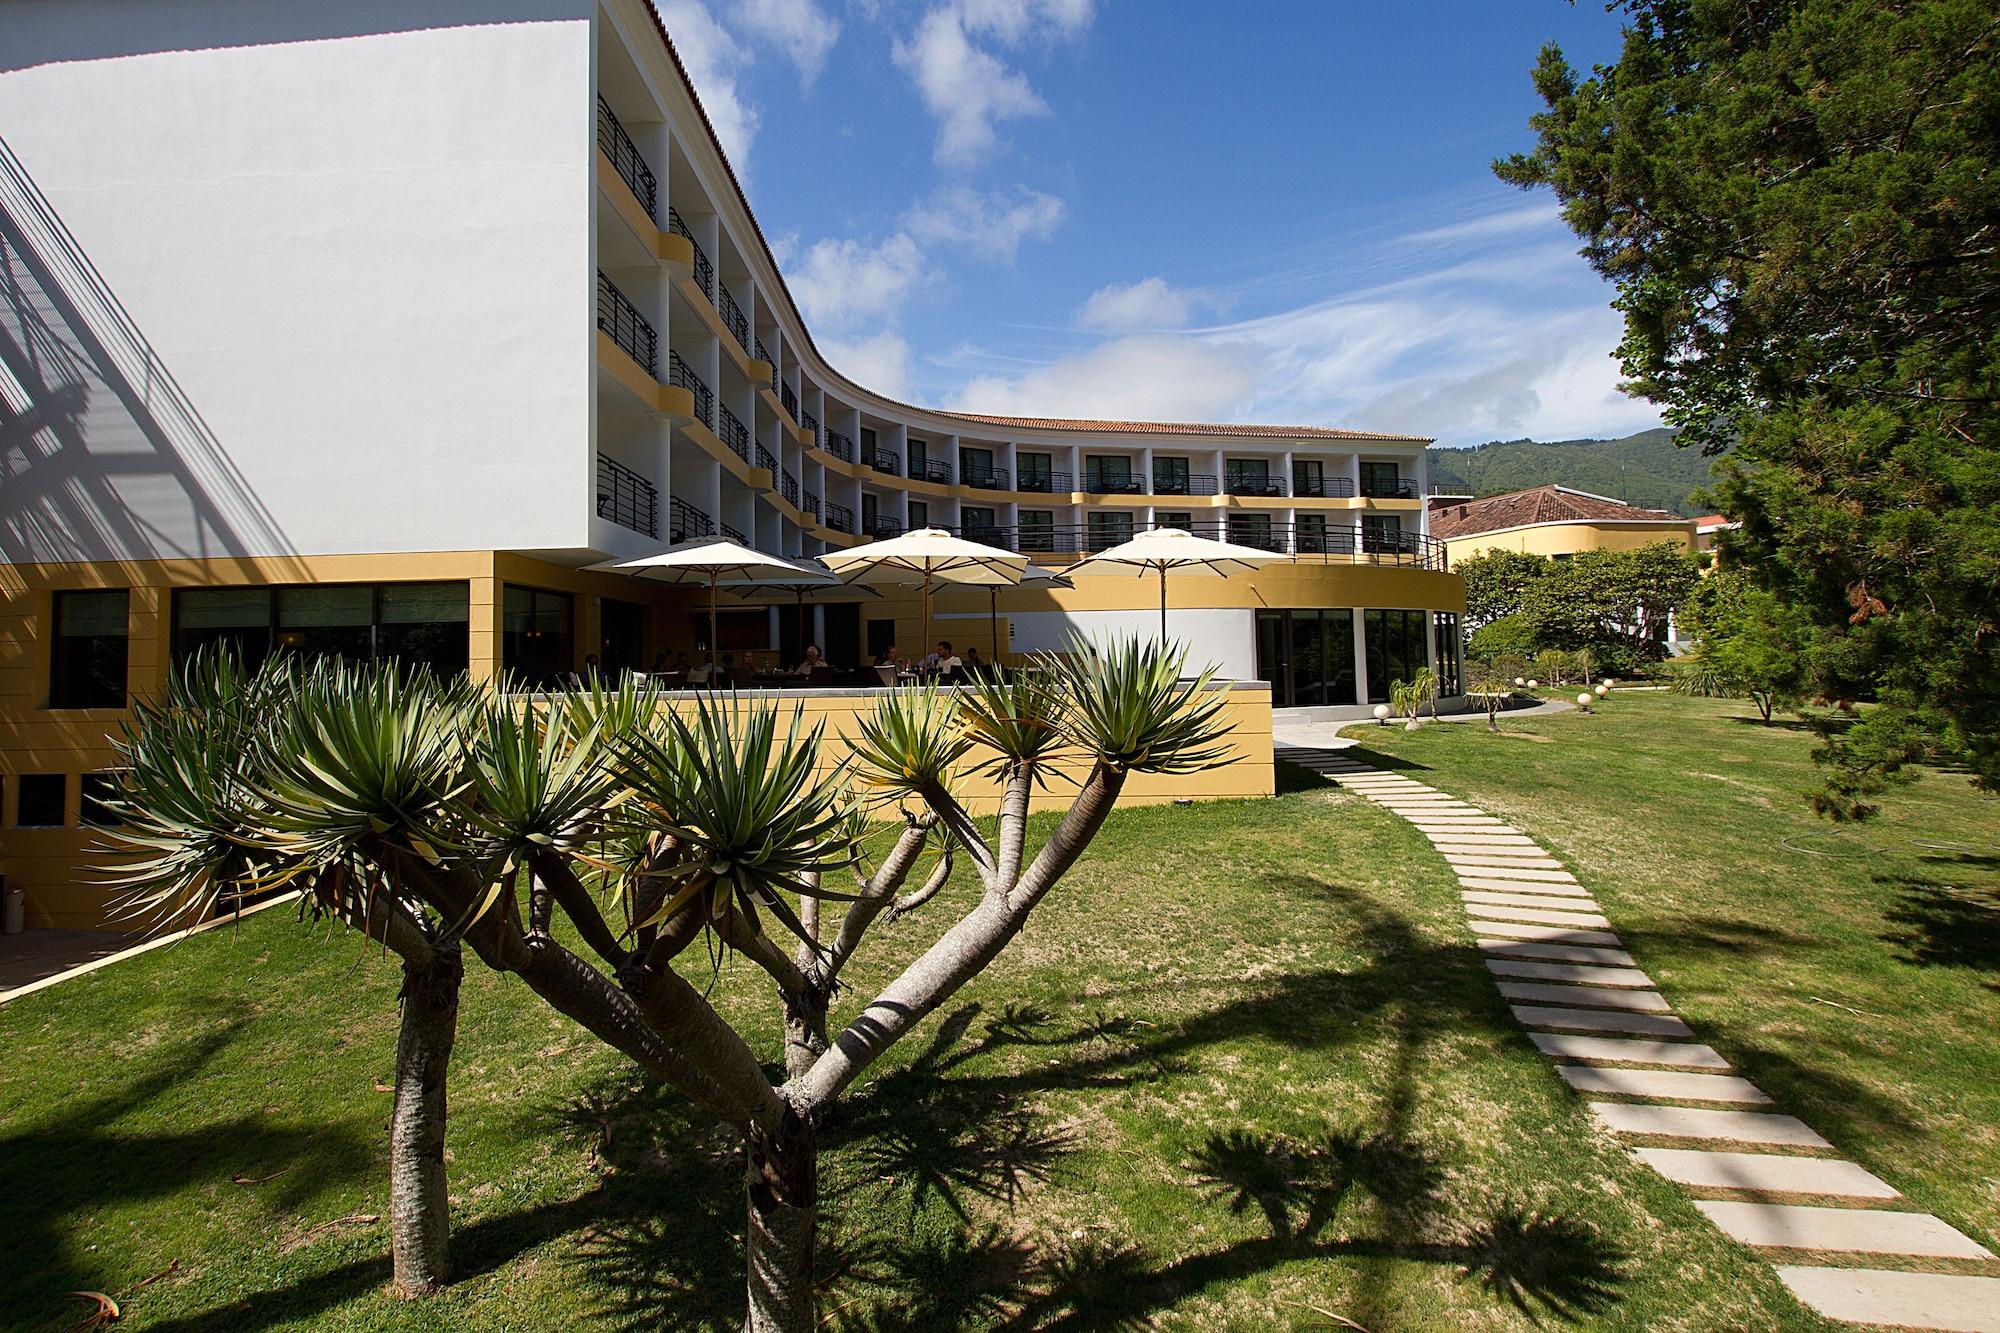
(556, 873)
(960, 826)
(1014, 822)
(877, 891)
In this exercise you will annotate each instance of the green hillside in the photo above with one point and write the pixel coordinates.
(1646, 469)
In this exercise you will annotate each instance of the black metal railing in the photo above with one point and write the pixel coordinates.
(809, 506)
(617, 145)
(685, 522)
(734, 534)
(765, 461)
(704, 271)
(732, 315)
(626, 498)
(985, 478)
(839, 446)
(811, 423)
(881, 529)
(1403, 488)
(735, 434)
(839, 517)
(1322, 488)
(1307, 543)
(788, 486)
(790, 400)
(764, 356)
(882, 461)
(1251, 484)
(1114, 485)
(681, 375)
(1193, 483)
(624, 325)
(929, 471)
(1048, 483)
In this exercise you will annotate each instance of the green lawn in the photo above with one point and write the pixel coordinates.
(1245, 1087)
(1853, 972)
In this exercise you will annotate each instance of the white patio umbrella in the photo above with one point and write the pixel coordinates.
(711, 560)
(1164, 550)
(925, 558)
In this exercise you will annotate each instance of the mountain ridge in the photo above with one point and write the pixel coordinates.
(1646, 469)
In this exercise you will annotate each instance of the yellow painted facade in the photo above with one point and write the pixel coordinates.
(1562, 539)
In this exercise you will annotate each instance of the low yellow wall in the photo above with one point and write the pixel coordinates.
(1554, 539)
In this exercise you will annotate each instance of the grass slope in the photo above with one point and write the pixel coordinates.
(1647, 469)
(1245, 1071)
(1851, 972)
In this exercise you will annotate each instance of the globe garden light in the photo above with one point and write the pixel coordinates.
(1534, 685)
(1381, 715)
(1520, 680)
(1602, 690)
(1583, 700)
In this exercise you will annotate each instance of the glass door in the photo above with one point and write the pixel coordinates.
(1170, 476)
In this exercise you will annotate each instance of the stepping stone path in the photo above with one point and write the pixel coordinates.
(1764, 1178)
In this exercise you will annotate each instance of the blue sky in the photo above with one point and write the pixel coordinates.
(1275, 212)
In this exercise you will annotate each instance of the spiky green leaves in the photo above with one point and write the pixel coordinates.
(911, 743)
(1126, 704)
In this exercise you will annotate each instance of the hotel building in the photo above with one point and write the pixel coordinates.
(367, 328)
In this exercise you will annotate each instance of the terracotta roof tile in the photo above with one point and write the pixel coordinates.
(1539, 504)
(1039, 423)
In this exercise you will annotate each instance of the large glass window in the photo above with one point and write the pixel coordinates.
(1309, 534)
(1034, 472)
(977, 524)
(1447, 653)
(1108, 474)
(39, 800)
(920, 514)
(1381, 534)
(1308, 476)
(1252, 530)
(535, 643)
(1107, 530)
(1379, 480)
(1038, 529)
(89, 653)
(1307, 656)
(621, 637)
(1248, 476)
(975, 466)
(918, 455)
(421, 624)
(1170, 476)
(1395, 643)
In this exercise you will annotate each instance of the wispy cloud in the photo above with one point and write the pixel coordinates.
(987, 224)
(968, 88)
(1150, 303)
(801, 29)
(714, 61)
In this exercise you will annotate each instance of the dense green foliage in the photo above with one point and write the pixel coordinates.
(1798, 203)
(1615, 604)
(1748, 644)
(1645, 469)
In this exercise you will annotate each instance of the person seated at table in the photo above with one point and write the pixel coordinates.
(891, 658)
(944, 661)
(810, 662)
(972, 662)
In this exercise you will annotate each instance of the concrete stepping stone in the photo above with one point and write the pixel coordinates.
(1689, 1122)
(1627, 1050)
(1544, 913)
(1549, 895)
(1558, 953)
(1593, 976)
(1456, 842)
(1527, 858)
(1911, 1300)
(1637, 1001)
(1765, 1173)
(1791, 1226)
(1600, 1020)
(1664, 1083)
(1457, 821)
(1496, 868)
(1539, 934)
(1499, 898)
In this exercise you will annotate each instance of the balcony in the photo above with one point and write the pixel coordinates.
(1304, 543)
(625, 159)
(621, 321)
(985, 478)
(1046, 483)
(704, 269)
(1115, 484)
(735, 434)
(626, 498)
(790, 400)
(1251, 484)
(765, 461)
(839, 446)
(681, 375)
(1402, 488)
(734, 534)
(839, 517)
(811, 423)
(685, 522)
(883, 461)
(1322, 488)
(929, 471)
(809, 506)
(769, 360)
(732, 315)
(788, 486)
(1193, 483)
(881, 529)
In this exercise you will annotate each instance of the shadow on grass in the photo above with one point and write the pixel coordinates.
(1291, 777)
(1947, 925)
(1361, 754)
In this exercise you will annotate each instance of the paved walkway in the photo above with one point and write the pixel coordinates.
(1843, 1240)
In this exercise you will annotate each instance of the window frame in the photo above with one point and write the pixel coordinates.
(70, 654)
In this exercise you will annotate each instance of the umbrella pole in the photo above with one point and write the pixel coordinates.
(713, 641)
(1163, 607)
(925, 646)
(993, 606)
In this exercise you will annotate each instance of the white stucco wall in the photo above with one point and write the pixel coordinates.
(358, 238)
(1221, 638)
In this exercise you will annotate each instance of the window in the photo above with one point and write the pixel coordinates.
(919, 456)
(871, 512)
(621, 637)
(1395, 648)
(1034, 472)
(1307, 656)
(89, 649)
(977, 525)
(1038, 529)
(1379, 480)
(1447, 650)
(1308, 476)
(920, 514)
(42, 798)
(1107, 530)
(867, 438)
(99, 791)
(419, 624)
(1248, 476)
(1381, 534)
(1170, 476)
(1106, 474)
(535, 642)
(975, 466)
(1311, 534)
(1174, 518)
(1252, 530)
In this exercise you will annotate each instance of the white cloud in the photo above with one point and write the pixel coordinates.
(714, 59)
(841, 284)
(799, 28)
(1148, 376)
(1013, 21)
(880, 362)
(965, 88)
(991, 224)
(1150, 303)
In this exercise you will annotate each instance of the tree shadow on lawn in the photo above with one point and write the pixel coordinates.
(1947, 925)
(1361, 754)
(64, 1169)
